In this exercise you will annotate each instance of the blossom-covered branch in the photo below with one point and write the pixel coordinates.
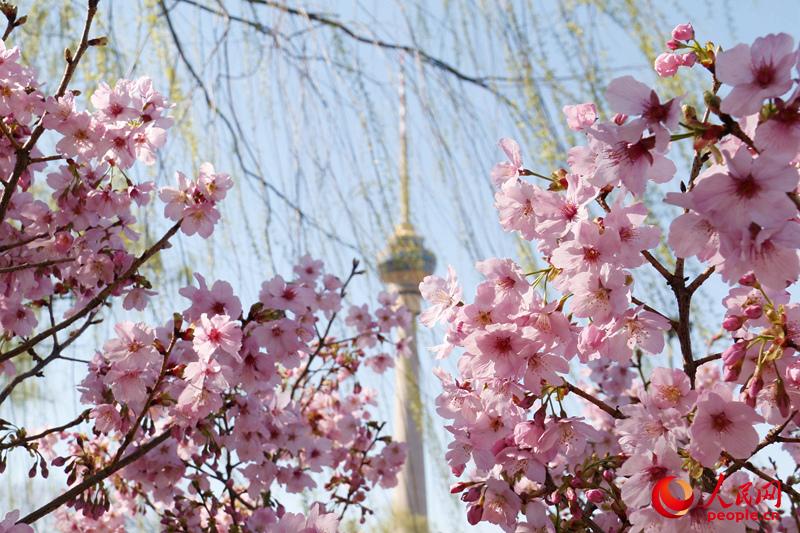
(535, 460)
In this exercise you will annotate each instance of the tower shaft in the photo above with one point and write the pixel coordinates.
(410, 501)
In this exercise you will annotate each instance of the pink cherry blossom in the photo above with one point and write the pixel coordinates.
(217, 334)
(580, 116)
(442, 295)
(683, 32)
(746, 189)
(756, 72)
(666, 64)
(508, 170)
(721, 425)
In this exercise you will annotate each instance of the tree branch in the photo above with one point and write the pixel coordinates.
(18, 442)
(97, 300)
(613, 411)
(102, 474)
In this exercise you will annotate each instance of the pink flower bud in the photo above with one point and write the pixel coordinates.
(472, 495)
(474, 514)
(782, 399)
(609, 475)
(754, 386)
(731, 373)
(672, 44)
(683, 32)
(687, 59)
(580, 116)
(620, 119)
(666, 65)
(734, 353)
(459, 487)
(748, 280)
(732, 323)
(595, 496)
(753, 311)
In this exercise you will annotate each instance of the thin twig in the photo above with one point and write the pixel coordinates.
(613, 411)
(18, 442)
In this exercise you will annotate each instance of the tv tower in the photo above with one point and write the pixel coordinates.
(402, 266)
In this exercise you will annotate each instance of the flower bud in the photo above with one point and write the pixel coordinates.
(595, 496)
(753, 311)
(732, 323)
(687, 59)
(683, 32)
(472, 495)
(731, 373)
(459, 487)
(734, 353)
(609, 475)
(666, 65)
(755, 385)
(748, 280)
(672, 44)
(474, 514)
(782, 399)
(620, 119)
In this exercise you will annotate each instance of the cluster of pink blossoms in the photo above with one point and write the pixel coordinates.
(71, 243)
(530, 465)
(250, 405)
(211, 421)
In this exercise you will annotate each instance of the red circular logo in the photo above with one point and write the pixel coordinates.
(668, 505)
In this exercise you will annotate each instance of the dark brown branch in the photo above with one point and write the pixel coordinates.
(666, 274)
(51, 262)
(613, 411)
(771, 437)
(425, 57)
(699, 280)
(58, 349)
(94, 479)
(672, 322)
(707, 359)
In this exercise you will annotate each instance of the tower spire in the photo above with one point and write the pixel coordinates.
(405, 201)
(402, 266)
